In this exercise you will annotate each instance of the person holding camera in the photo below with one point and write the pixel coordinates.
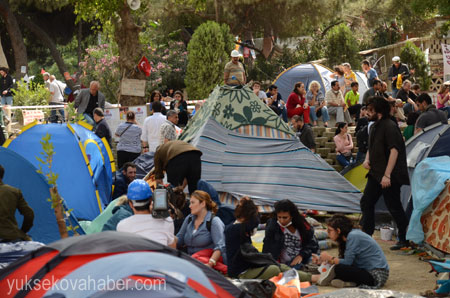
(202, 233)
(145, 221)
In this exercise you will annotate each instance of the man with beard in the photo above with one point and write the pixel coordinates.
(124, 179)
(386, 162)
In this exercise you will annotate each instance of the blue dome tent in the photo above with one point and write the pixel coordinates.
(308, 72)
(85, 177)
(20, 173)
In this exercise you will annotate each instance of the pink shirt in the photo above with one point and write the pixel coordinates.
(343, 145)
(442, 96)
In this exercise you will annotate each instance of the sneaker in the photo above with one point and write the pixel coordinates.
(399, 245)
(338, 283)
(326, 277)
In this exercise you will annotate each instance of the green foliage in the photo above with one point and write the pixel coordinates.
(72, 114)
(385, 35)
(37, 80)
(415, 58)
(208, 52)
(264, 70)
(47, 159)
(31, 94)
(101, 63)
(311, 49)
(341, 47)
(169, 63)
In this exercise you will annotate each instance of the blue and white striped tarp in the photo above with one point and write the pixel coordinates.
(272, 169)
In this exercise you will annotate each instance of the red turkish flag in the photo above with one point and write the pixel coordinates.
(145, 66)
(42, 71)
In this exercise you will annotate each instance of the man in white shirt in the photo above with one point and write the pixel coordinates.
(57, 98)
(143, 223)
(336, 103)
(151, 128)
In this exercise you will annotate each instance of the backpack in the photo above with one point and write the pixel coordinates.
(362, 139)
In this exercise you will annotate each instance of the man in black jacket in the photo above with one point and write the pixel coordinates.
(6, 83)
(386, 162)
(303, 132)
(396, 69)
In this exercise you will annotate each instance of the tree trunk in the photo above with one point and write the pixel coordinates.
(20, 51)
(47, 41)
(79, 48)
(216, 7)
(59, 212)
(130, 51)
(268, 40)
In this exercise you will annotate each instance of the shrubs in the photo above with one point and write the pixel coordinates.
(208, 52)
(415, 58)
(342, 46)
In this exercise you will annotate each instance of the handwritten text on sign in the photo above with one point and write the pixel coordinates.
(133, 87)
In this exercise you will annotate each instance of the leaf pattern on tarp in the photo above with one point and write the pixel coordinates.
(234, 107)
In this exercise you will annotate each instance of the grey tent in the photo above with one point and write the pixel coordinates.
(308, 72)
(433, 141)
(257, 155)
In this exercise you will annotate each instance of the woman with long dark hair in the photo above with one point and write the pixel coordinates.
(289, 237)
(296, 103)
(238, 235)
(344, 144)
(361, 260)
(157, 96)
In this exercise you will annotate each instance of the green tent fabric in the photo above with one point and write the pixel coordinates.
(234, 107)
(97, 224)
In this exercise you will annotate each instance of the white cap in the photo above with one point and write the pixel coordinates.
(447, 83)
(396, 59)
(235, 53)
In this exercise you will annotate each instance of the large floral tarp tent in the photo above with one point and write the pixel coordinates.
(249, 150)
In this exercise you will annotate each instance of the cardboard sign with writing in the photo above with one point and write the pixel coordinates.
(31, 115)
(133, 87)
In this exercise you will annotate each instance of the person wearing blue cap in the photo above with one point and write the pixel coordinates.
(140, 198)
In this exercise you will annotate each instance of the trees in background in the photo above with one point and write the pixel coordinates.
(208, 52)
(341, 46)
(415, 58)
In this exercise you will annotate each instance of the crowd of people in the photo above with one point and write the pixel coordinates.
(194, 225)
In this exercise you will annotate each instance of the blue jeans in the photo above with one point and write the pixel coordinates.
(394, 92)
(313, 116)
(446, 109)
(284, 113)
(360, 157)
(342, 160)
(7, 100)
(53, 115)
